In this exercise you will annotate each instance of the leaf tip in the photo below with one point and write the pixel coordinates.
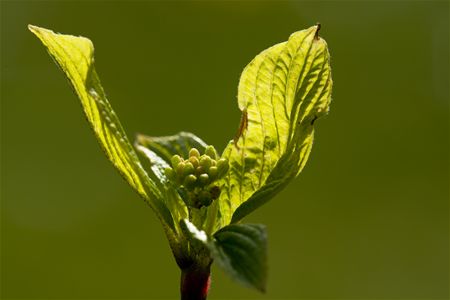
(316, 34)
(38, 30)
(34, 29)
(262, 285)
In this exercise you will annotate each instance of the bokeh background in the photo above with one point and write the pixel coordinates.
(367, 219)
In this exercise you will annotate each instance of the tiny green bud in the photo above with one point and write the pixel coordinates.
(213, 162)
(170, 173)
(189, 181)
(204, 179)
(205, 162)
(222, 167)
(194, 152)
(211, 152)
(194, 161)
(176, 159)
(221, 162)
(212, 172)
(180, 169)
(199, 170)
(188, 168)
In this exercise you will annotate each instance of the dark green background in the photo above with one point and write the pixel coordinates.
(367, 218)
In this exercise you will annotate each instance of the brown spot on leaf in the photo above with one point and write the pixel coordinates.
(242, 126)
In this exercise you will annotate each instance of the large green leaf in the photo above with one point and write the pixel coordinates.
(240, 249)
(75, 56)
(282, 91)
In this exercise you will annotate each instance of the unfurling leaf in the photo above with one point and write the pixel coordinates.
(161, 150)
(281, 93)
(75, 56)
(167, 146)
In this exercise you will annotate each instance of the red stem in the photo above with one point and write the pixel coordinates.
(195, 283)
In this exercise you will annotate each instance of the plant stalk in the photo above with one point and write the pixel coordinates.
(195, 282)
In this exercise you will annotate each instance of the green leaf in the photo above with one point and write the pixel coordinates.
(240, 249)
(167, 146)
(281, 93)
(75, 56)
(157, 164)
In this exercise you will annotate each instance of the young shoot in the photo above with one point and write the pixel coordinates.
(200, 195)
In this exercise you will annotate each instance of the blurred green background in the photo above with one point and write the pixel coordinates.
(367, 218)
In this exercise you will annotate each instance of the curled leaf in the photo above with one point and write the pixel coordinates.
(164, 152)
(167, 146)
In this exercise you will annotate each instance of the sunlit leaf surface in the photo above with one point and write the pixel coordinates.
(75, 56)
(282, 91)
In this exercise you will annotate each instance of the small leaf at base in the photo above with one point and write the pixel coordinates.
(239, 249)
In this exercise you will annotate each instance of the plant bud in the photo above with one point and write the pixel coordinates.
(189, 181)
(211, 152)
(222, 167)
(205, 162)
(180, 169)
(188, 168)
(204, 198)
(194, 161)
(176, 159)
(204, 179)
(194, 152)
(212, 173)
(170, 173)
(199, 170)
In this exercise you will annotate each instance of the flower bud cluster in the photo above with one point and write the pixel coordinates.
(195, 176)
